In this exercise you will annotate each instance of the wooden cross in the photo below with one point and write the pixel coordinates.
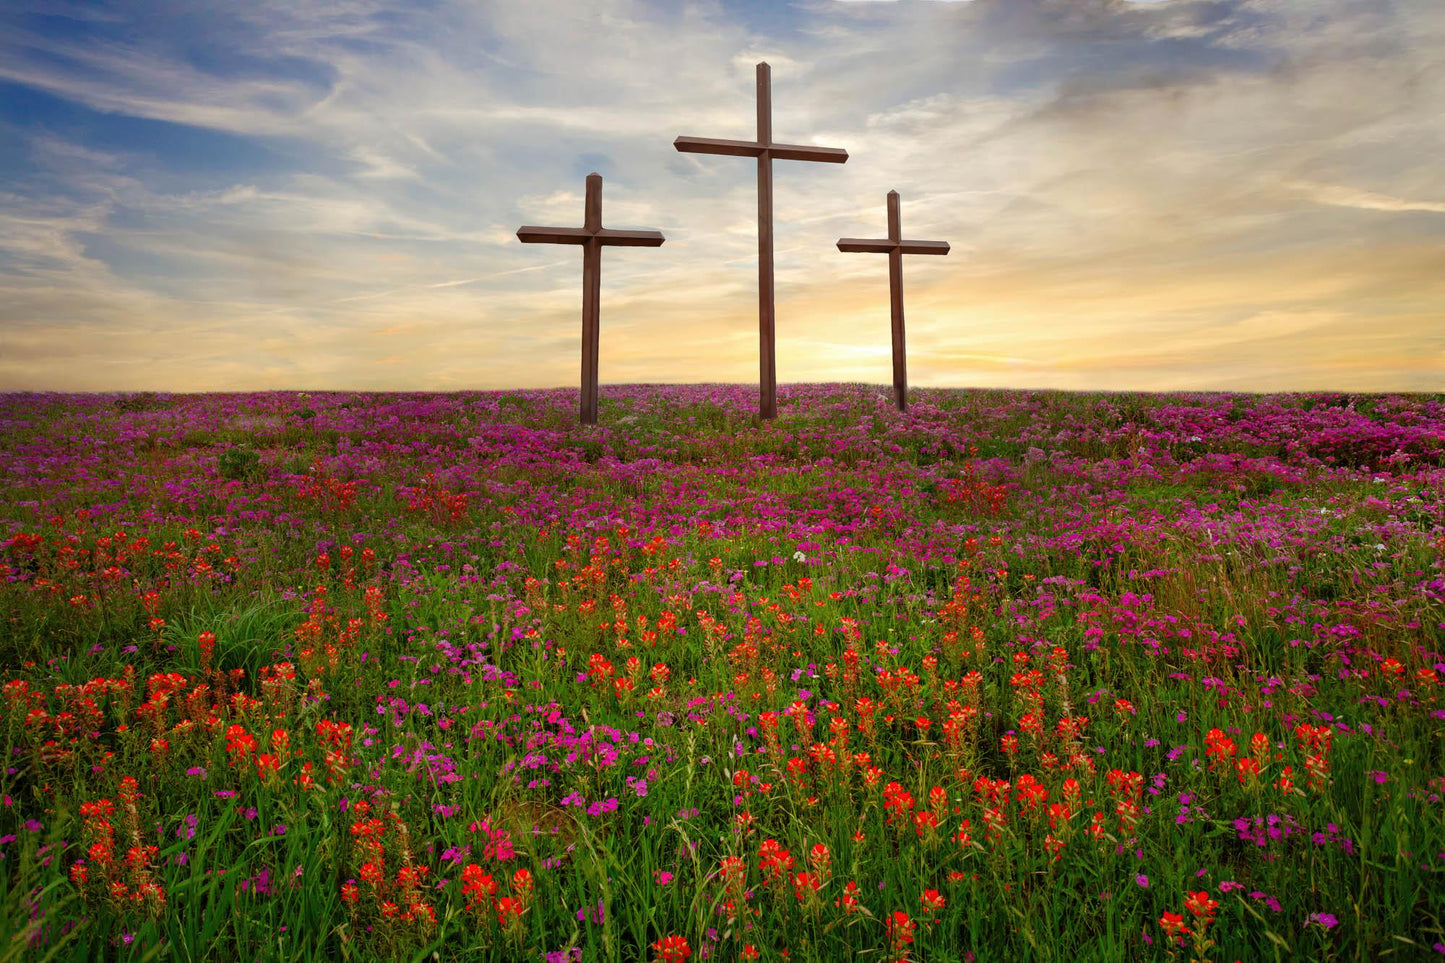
(895, 247)
(765, 151)
(592, 236)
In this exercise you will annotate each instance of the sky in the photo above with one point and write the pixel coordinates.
(1197, 195)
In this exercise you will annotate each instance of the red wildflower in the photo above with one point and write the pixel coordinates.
(671, 949)
(848, 902)
(1173, 925)
(806, 885)
(900, 930)
(1201, 905)
(478, 887)
(509, 910)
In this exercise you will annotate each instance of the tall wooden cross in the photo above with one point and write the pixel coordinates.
(592, 236)
(895, 247)
(765, 151)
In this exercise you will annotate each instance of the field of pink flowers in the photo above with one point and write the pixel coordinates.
(1015, 675)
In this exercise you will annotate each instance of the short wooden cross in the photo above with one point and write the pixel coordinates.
(765, 151)
(895, 247)
(592, 236)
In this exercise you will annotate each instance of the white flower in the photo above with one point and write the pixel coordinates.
(799, 557)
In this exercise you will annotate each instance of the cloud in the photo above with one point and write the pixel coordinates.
(128, 79)
(1341, 196)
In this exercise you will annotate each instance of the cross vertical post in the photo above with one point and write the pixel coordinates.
(895, 247)
(895, 304)
(591, 299)
(766, 152)
(767, 359)
(592, 236)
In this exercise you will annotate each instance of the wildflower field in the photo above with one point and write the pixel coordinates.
(1012, 676)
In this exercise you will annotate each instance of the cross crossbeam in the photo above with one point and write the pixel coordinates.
(766, 152)
(592, 236)
(895, 247)
(750, 148)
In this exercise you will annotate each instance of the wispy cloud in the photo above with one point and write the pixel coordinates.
(1342, 196)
